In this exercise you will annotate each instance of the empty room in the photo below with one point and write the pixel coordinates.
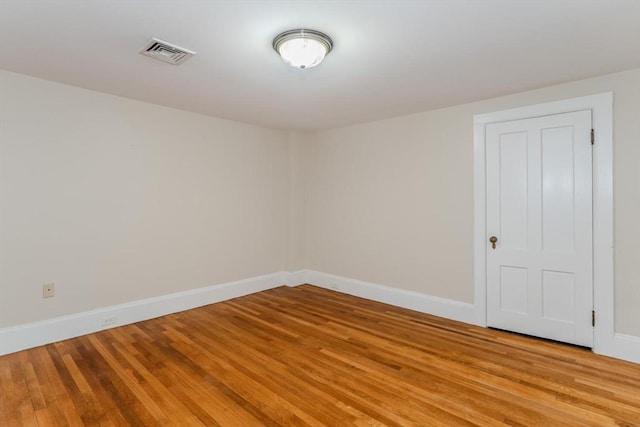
(323, 213)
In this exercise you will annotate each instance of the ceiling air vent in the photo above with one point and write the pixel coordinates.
(167, 52)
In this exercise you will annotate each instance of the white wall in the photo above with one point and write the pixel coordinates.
(296, 259)
(391, 202)
(117, 200)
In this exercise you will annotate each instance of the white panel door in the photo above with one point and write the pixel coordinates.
(539, 212)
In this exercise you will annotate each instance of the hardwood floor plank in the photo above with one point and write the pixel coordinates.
(56, 395)
(182, 384)
(311, 357)
(142, 391)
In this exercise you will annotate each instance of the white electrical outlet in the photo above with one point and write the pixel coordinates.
(109, 320)
(48, 290)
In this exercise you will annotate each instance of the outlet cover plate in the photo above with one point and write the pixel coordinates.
(48, 290)
(109, 321)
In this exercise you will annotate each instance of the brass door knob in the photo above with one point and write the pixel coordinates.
(493, 240)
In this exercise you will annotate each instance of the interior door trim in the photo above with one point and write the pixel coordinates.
(601, 106)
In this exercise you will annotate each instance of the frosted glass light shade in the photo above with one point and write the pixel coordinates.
(302, 48)
(302, 53)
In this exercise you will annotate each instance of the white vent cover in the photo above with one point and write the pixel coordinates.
(167, 52)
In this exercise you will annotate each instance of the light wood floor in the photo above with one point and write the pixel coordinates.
(308, 356)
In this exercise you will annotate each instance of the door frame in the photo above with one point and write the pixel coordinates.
(601, 106)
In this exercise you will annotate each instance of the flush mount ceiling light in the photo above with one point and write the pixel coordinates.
(302, 48)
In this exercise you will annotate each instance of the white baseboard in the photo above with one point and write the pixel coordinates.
(20, 337)
(295, 278)
(417, 301)
(626, 347)
(620, 346)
